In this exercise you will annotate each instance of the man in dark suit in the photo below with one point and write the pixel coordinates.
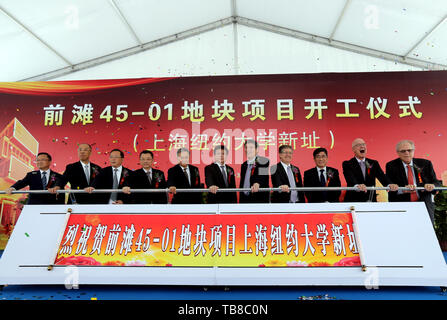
(410, 172)
(254, 175)
(148, 178)
(114, 176)
(218, 175)
(285, 175)
(184, 176)
(42, 179)
(362, 172)
(80, 175)
(322, 176)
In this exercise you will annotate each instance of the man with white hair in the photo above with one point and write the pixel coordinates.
(362, 172)
(410, 172)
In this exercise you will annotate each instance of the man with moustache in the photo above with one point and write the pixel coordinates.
(254, 175)
(42, 179)
(148, 178)
(322, 176)
(362, 172)
(184, 176)
(285, 175)
(80, 175)
(410, 172)
(114, 176)
(219, 175)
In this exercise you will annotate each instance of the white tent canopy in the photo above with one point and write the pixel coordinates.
(98, 39)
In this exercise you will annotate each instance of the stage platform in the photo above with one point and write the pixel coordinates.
(109, 292)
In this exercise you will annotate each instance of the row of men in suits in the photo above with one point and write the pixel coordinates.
(359, 172)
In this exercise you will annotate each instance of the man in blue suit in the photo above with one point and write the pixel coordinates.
(42, 179)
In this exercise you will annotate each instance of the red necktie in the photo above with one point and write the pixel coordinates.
(413, 195)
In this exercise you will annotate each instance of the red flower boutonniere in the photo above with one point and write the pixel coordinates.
(368, 167)
(51, 180)
(94, 173)
(229, 173)
(197, 177)
(157, 179)
(295, 174)
(330, 175)
(418, 171)
(252, 172)
(123, 177)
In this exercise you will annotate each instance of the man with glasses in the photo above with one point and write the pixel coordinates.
(114, 176)
(42, 179)
(285, 175)
(322, 176)
(362, 172)
(410, 172)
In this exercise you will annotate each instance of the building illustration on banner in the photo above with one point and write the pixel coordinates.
(18, 149)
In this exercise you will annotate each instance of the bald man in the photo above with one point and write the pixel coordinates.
(362, 172)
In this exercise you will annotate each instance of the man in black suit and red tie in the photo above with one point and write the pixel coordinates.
(80, 175)
(285, 175)
(184, 176)
(322, 176)
(148, 178)
(410, 172)
(254, 175)
(362, 172)
(42, 179)
(219, 175)
(115, 176)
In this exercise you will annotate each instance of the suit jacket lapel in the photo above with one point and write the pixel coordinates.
(358, 170)
(81, 171)
(217, 174)
(39, 179)
(283, 174)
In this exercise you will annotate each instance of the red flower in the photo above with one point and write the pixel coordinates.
(77, 261)
(95, 172)
(253, 170)
(125, 174)
(319, 264)
(114, 263)
(348, 262)
(51, 180)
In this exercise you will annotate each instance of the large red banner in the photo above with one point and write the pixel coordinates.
(209, 240)
(305, 111)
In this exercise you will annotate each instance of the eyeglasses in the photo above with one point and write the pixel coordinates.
(406, 150)
(360, 145)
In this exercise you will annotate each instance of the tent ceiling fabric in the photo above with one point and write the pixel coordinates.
(41, 37)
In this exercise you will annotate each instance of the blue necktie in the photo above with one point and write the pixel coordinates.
(323, 184)
(44, 179)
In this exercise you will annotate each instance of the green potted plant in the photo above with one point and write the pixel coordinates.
(441, 218)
